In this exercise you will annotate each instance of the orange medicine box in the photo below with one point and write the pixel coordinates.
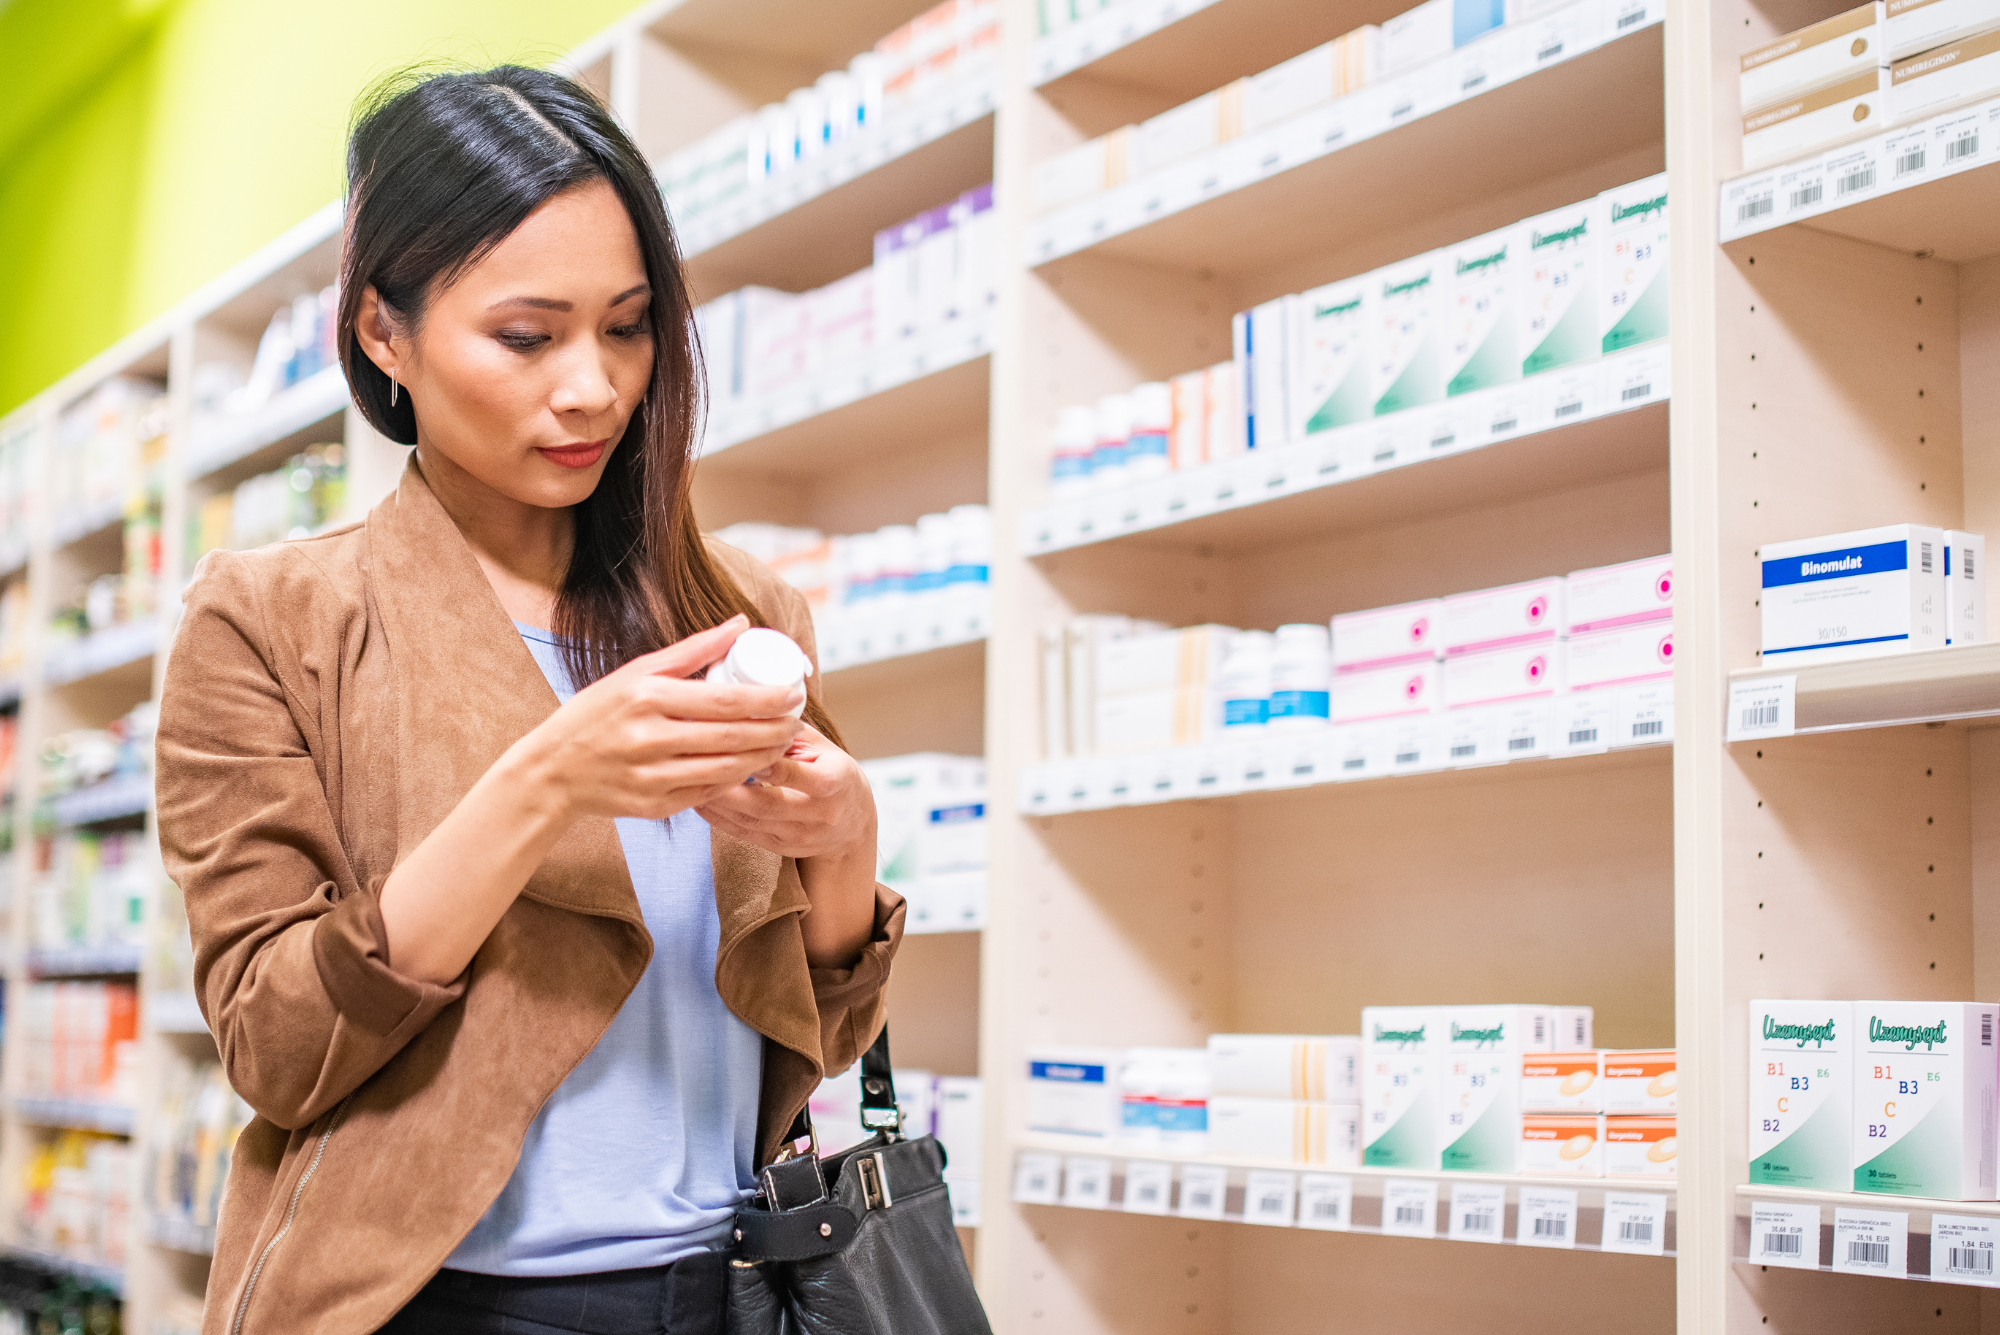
(1562, 1145)
(1640, 1082)
(1640, 1147)
(1561, 1082)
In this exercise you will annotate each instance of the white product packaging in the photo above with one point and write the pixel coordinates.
(1632, 266)
(1286, 1066)
(1224, 436)
(1365, 694)
(1559, 297)
(1259, 336)
(1073, 1091)
(931, 835)
(1417, 37)
(978, 252)
(1082, 639)
(1382, 636)
(1575, 1027)
(1473, 19)
(1923, 1099)
(1187, 446)
(1083, 170)
(1964, 589)
(1148, 444)
(1071, 451)
(1530, 612)
(1802, 1068)
(1912, 26)
(1163, 1099)
(1571, 1144)
(1113, 422)
(1292, 86)
(894, 276)
(1606, 597)
(1966, 68)
(1406, 348)
(1641, 1147)
(1479, 1082)
(1639, 1081)
(1853, 595)
(1561, 1082)
(1301, 673)
(960, 1132)
(1156, 720)
(1189, 657)
(1400, 1051)
(1829, 51)
(1494, 676)
(1329, 367)
(1188, 129)
(1284, 1130)
(1246, 683)
(1482, 325)
(1621, 656)
(1816, 119)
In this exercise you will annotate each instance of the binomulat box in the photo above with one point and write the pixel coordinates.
(1640, 1147)
(1479, 1085)
(1966, 68)
(1561, 1082)
(1802, 1094)
(1923, 1099)
(1913, 26)
(1860, 594)
(1073, 1091)
(1572, 1143)
(1400, 1050)
(1964, 589)
(1826, 52)
(1640, 1081)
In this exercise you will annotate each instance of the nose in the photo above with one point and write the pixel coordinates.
(585, 385)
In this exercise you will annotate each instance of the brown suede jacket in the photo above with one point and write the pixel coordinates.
(327, 703)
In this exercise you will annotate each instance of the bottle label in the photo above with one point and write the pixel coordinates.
(1299, 704)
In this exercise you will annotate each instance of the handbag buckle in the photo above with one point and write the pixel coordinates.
(874, 1181)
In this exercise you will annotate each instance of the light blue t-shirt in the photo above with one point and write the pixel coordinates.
(642, 1154)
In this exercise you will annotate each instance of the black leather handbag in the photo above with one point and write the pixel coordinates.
(856, 1243)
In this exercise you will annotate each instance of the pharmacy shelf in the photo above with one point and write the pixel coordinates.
(1056, 1170)
(818, 221)
(855, 405)
(219, 443)
(1397, 154)
(84, 962)
(847, 641)
(1926, 686)
(1919, 1214)
(174, 1013)
(103, 1276)
(105, 651)
(1424, 462)
(1927, 188)
(69, 529)
(112, 799)
(78, 1114)
(179, 1235)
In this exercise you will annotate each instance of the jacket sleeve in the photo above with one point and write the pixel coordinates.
(292, 967)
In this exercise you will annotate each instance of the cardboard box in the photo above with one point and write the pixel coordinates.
(1964, 588)
(1367, 694)
(1913, 26)
(1073, 1091)
(1640, 1147)
(1961, 71)
(1572, 1145)
(1329, 366)
(1312, 1069)
(1860, 594)
(1802, 1065)
(1558, 305)
(1561, 1082)
(1606, 597)
(1620, 656)
(1400, 1051)
(1827, 52)
(1482, 332)
(1384, 636)
(1479, 1086)
(1924, 1090)
(1530, 612)
(1641, 1081)
(1284, 1131)
(1494, 676)
(1407, 348)
(1632, 270)
(1817, 119)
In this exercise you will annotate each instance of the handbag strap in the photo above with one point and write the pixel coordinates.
(878, 1096)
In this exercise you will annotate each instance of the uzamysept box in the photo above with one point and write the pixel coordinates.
(1816, 119)
(1482, 324)
(1558, 305)
(1923, 1099)
(1407, 346)
(1632, 260)
(1826, 52)
(1854, 595)
(1328, 364)
(1399, 1054)
(1965, 69)
(1912, 26)
(1310, 1068)
(1073, 1091)
(1802, 1057)
(1964, 589)
(1479, 1089)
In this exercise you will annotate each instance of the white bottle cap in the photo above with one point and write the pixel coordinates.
(762, 657)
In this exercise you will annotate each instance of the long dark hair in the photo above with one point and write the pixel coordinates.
(441, 167)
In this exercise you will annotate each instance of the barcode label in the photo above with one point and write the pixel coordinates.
(1872, 1254)
(1635, 1230)
(1552, 1228)
(1924, 557)
(1444, 441)
(1037, 1179)
(1582, 736)
(1631, 392)
(1807, 195)
(1410, 1214)
(1570, 409)
(1409, 1208)
(1149, 1186)
(1627, 20)
(1353, 763)
(1267, 1199)
(1963, 1247)
(1651, 727)
(1520, 743)
(1761, 707)
(1876, 1242)
(1962, 147)
(1761, 716)
(1462, 750)
(1201, 1198)
(1986, 1030)
(1860, 179)
(1549, 52)
(1384, 456)
(1966, 556)
(1477, 1212)
(1912, 161)
(1407, 757)
(1634, 1223)
(1476, 1221)
(1505, 424)
(1204, 1190)
(1087, 1183)
(1755, 207)
(1548, 1218)
(1325, 1201)
(1967, 1261)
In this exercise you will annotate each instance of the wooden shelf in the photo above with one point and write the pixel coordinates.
(1927, 686)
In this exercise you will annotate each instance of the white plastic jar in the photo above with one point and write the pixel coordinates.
(1301, 677)
(1247, 675)
(763, 657)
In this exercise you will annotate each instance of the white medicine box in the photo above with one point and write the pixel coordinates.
(1827, 52)
(1861, 594)
(1073, 1091)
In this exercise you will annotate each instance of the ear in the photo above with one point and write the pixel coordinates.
(374, 330)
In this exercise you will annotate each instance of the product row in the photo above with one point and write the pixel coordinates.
(1882, 64)
(930, 816)
(109, 449)
(78, 1040)
(77, 1197)
(294, 501)
(297, 344)
(940, 554)
(91, 890)
(949, 1107)
(943, 47)
(126, 595)
(194, 1130)
(84, 757)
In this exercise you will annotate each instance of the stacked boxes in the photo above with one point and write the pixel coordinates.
(1947, 52)
(1286, 1097)
(1815, 87)
(930, 813)
(1159, 689)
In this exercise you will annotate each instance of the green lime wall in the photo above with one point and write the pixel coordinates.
(147, 145)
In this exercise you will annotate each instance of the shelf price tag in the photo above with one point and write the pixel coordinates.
(1478, 1213)
(1149, 1186)
(1326, 1201)
(1086, 1183)
(1547, 1218)
(1409, 1209)
(1962, 1249)
(1635, 1223)
(1037, 1179)
(1204, 1191)
(1762, 707)
(1872, 1242)
(1784, 1235)
(1268, 1197)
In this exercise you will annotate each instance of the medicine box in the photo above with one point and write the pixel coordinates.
(1608, 596)
(1558, 304)
(1156, 720)
(1407, 347)
(1260, 336)
(1479, 1089)
(1329, 365)
(1188, 129)
(1083, 171)
(1400, 689)
(1399, 1054)
(1405, 633)
(1827, 52)
(1161, 660)
(1561, 1082)
(1964, 69)
(1913, 26)
(1482, 326)
(1802, 1060)
(1493, 676)
(1292, 86)
(1073, 1091)
(1572, 1144)
(1417, 36)
(1575, 1029)
(1163, 1098)
(1620, 656)
(1640, 1147)
(1964, 589)
(1513, 614)
(1284, 1131)
(1632, 266)
(1287, 1066)
(1923, 1099)
(960, 1124)
(1816, 119)
(1853, 595)
(1639, 1081)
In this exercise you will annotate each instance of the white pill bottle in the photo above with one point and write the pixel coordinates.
(762, 657)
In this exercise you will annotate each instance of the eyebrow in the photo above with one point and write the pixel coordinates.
(552, 304)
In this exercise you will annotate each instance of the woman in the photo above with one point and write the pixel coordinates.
(522, 973)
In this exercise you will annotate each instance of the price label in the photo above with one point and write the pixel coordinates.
(1547, 1218)
(1149, 1187)
(1204, 1191)
(1326, 1201)
(1478, 1213)
(1762, 707)
(1962, 1249)
(1872, 1242)
(1634, 1222)
(1409, 1209)
(1086, 1183)
(1037, 1179)
(1785, 1235)
(1268, 1197)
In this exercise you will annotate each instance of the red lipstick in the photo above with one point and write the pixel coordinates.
(581, 455)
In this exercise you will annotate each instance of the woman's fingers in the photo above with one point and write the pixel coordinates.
(678, 698)
(684, 658)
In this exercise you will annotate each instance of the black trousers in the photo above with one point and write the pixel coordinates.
(685, 1298)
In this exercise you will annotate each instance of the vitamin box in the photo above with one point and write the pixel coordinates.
(1802, 1094)
(1554, 1144)
(1923, 1099)
(1639, 1081)
(1399, 1054)
(1640, 1147)
(1479, 1090)
(1561, 1082)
